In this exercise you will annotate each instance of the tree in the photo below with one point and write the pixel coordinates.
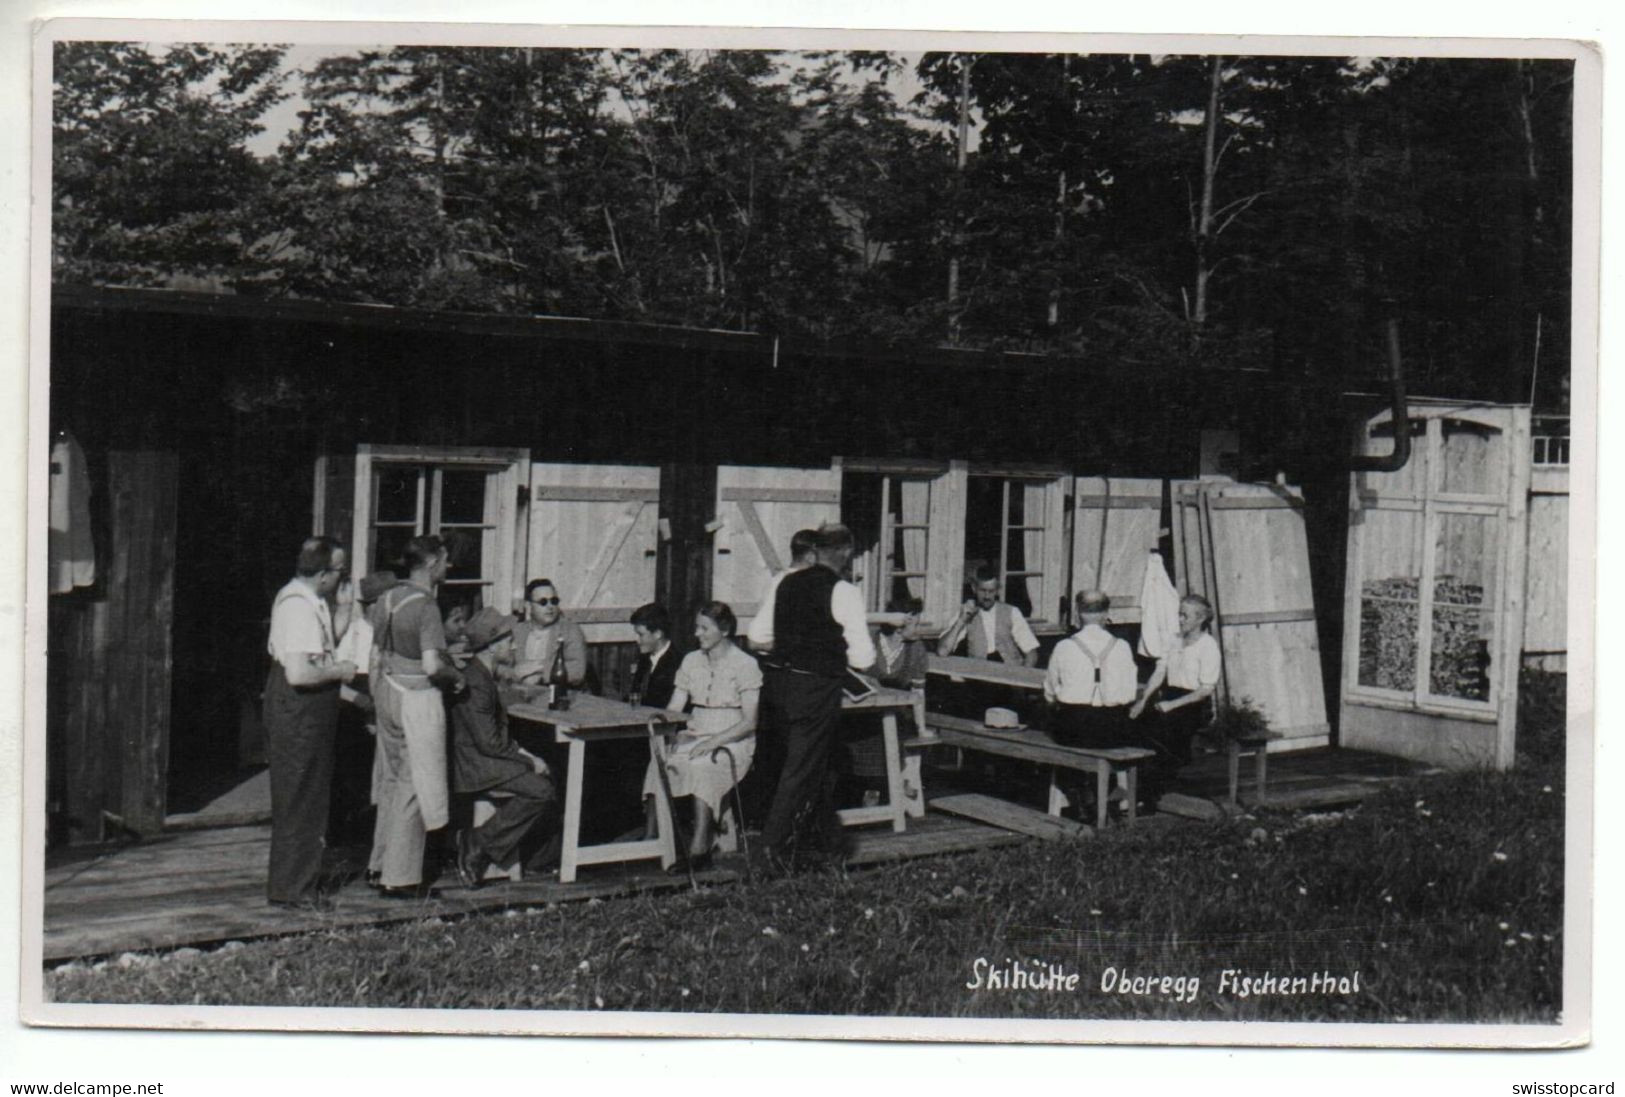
(151, 176)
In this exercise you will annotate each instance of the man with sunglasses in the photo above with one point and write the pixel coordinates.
(545, 628)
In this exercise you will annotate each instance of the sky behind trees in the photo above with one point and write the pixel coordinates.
(1263, 212)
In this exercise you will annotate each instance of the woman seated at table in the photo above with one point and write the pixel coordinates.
(724, 685)
(1186, 677)
(900, 663)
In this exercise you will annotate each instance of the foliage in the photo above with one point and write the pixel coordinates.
(1262, 212)
(150, 176)
(1240, 719)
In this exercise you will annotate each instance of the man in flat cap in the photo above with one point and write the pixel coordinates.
(486, 759)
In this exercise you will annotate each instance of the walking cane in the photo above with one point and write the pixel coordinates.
(657, 748)
(739, 812)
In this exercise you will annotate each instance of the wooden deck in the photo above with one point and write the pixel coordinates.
(205, 886)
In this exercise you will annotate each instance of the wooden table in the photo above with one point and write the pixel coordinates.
(888, 702)
(592, 719)
(960, 668)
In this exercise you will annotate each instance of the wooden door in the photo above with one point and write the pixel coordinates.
(594, 531)
(758, 510)
(1244, 548)
(1116, 523)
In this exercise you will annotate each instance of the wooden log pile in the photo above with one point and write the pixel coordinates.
(1459, 666)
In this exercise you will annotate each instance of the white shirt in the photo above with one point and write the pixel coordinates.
(301, 625)
(1071, 675)
(1020, 631)
(845, 605)
(654, 660)
(1195, 665)
(760, 632)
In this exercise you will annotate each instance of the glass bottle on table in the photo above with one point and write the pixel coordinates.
(558, 681)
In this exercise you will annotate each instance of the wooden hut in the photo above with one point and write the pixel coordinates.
(628, 463)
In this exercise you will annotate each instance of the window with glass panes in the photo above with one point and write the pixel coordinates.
(456, 502)
(1006, 527)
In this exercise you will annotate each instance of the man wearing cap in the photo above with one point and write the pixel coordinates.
(486, 759)
(301, 719)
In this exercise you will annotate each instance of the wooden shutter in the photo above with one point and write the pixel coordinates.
(758, 509)
(945, 550)
(335, 498)
(1244, 548)
(594, 531)
(1115, 524)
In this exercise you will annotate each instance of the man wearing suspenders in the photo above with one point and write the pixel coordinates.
(1091, 681)
(301, 721)
(409, 667)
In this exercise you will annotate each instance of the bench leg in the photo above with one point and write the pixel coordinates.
(1262, 755)
(1131, 781)
(1103, 788)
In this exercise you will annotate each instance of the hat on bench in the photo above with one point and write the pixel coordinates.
(1001, 718)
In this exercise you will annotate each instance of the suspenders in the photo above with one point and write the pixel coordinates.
(1095, 661)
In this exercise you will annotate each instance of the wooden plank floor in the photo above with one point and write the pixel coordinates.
(204, 887)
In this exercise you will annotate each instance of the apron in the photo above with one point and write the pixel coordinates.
(422, 718)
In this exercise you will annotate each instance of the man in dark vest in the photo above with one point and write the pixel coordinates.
(819, 630)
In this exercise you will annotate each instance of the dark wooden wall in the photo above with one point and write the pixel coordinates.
(111, 655)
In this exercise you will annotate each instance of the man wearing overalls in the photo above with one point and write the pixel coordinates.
(409, 669)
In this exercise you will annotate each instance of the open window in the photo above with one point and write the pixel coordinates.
(1018, 523)
(469, 497)
(908, 519)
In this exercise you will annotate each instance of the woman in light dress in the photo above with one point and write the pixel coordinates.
(1186, 679)
(724, 686)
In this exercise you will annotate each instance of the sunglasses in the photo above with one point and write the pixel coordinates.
(553, 601)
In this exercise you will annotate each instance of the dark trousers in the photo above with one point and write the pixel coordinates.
(530, 797)
(1170, 734)
(809, 710)
(300, 725)
(761, 781)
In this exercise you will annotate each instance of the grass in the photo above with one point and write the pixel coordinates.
(1444, 893)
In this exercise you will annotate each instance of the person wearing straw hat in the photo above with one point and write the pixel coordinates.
(486, 759)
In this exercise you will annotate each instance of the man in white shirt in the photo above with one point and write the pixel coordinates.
(819, 630)
(989, 628)
(1091, 680)
(301, 720)
(803, 554)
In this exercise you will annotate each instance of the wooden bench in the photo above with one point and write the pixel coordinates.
(1234, 750)
(1036, 746)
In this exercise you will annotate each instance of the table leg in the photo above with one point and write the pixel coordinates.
(1262, 757)
(1057, 798)
(894, 771)
(668, 843)
(572, 811)
(1103, 788)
